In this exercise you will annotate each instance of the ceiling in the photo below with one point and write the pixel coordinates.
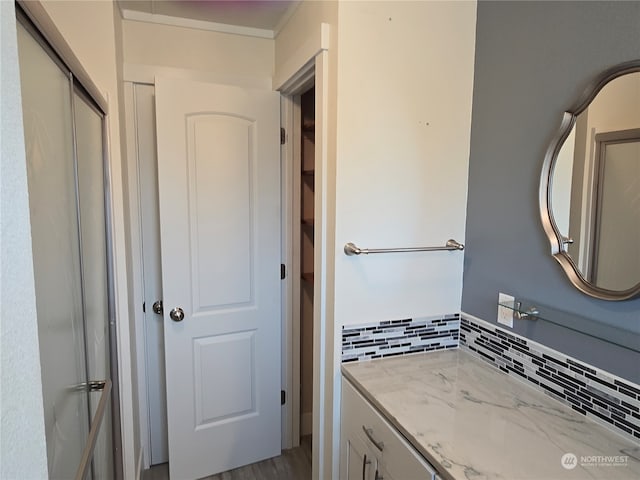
(257, 14)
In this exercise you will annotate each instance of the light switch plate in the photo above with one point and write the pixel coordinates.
(505, 315)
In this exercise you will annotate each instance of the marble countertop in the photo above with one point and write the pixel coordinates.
(472, 421)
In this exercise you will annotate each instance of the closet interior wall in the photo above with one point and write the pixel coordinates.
(307, 194)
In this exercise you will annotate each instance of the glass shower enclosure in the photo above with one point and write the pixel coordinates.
(68, 187)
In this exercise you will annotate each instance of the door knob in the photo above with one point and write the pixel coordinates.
(177, 314)
(157, 307)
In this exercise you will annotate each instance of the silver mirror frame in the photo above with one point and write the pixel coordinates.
(546, 183)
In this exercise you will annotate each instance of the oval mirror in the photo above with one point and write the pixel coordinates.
(590, 187)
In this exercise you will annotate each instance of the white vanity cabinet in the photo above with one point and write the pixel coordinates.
(371, 448)
(356, 461)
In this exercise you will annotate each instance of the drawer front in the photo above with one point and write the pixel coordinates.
(394, 453)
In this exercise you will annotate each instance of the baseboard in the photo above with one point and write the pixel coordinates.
(306, 424)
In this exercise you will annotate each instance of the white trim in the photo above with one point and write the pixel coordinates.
(318, 470)
(137, 73)
(588, 206)
(121, 302)
(302, 80)
(291, 182)
(158, 19)
(318, 41)
(137, 287)
(288, 358)
(326, 381)
(324, 465)
(296, 267)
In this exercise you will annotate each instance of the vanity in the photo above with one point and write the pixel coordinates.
(449, 415)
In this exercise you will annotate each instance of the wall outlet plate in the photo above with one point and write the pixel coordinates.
(505, 314)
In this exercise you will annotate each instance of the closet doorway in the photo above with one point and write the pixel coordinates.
(305, 166)
(300, 240)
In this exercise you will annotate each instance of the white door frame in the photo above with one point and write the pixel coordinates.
(308, 67)
(290, 254)
(136, 293)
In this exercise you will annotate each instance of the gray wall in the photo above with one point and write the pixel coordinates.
(533, 59)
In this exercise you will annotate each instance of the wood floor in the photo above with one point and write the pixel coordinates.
(294, 464)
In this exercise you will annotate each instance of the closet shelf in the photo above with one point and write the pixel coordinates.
(309, 173)
(307, 221)
(308, 277)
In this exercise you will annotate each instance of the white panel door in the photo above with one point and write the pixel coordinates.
(219, 189)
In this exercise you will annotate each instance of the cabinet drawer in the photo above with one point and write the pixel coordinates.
(394, 453)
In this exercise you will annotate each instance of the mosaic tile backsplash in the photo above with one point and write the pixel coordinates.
(399, 337)
(607, 399)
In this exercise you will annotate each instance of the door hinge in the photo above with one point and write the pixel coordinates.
(283, 271)
(283, 136)
(283, 397)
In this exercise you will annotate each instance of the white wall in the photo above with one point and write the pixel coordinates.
(300, 28)
(152, 49)
(306, 18)
(88, 27)
(22, 438)
(405, 79)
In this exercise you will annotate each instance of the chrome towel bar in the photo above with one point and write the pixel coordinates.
(351, 249)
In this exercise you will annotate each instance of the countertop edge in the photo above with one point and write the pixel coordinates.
(442, 471)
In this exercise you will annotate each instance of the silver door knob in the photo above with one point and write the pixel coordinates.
(177, 314)
(157, 307)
